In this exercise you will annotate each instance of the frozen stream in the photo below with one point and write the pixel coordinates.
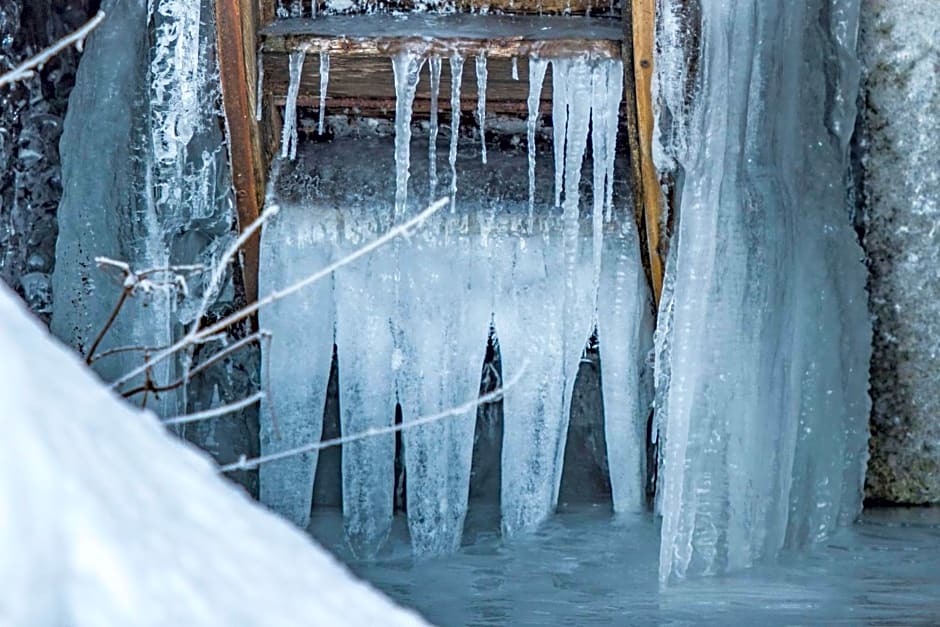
(585, 568)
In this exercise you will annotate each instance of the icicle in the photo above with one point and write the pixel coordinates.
(289, 131)
(297, 8)
(432, 142)
(259, 94)
(324, 85)
(407, 67)
(559, 120)
(614, 96)
(456, 78)
(481, 102)
(515, 68)
(537, 69)
(599, 137)
(313, 8)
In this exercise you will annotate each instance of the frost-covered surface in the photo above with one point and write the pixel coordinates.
(412, 319)
(105, 519)
(901, 163)
(765, 409)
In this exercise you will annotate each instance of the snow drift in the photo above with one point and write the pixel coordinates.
(105, 519)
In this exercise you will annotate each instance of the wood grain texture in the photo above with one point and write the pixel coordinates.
(643, 26)
(235, 21)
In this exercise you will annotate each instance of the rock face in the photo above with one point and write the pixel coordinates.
(31, 114)
(901, 184)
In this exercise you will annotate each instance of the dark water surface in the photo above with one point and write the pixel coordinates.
(586, 567)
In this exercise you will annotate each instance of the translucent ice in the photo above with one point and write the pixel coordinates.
(766, 404)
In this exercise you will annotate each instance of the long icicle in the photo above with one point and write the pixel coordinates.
(599, 137)
(407, 68)
(434, 127)
(537, 69)
(559, 121)
(456, 78)
(289, 131)
(481, 102)
(324, 85)
(614, 96)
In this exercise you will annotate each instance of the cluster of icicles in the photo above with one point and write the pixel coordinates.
(411, 322)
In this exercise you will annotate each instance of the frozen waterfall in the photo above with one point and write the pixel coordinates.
(763, 386)
(412, 320)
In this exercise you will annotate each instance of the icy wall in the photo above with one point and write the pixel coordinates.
(145, 180)
(900, 150)
(763, 401)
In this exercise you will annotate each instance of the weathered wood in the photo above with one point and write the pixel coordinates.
(367, 84)
(643, 27)
(236, 21)
(518, 7)
(497, 36)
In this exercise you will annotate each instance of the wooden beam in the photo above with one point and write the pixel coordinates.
(518, 7)
(235, 28)
(643, 21)
(498, 36)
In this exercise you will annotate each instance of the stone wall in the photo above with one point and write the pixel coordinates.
(900, 149)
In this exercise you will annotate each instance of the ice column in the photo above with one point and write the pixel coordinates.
(297, 360)
(407, 68)
(769, 340)
(444, 321)
(543, 319)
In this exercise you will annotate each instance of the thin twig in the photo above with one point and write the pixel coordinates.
(125, 292)
(216, 411)
(28, 68)
(214, 359)
(250, 464)
(243, 313)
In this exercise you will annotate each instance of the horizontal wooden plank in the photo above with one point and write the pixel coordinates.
(498, 36)
(601, 8)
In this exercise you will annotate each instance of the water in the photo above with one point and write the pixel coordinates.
(587, 567)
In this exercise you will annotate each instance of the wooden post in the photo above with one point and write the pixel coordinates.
(643, 21)
(235, 27)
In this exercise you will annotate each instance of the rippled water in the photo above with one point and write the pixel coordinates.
(588, 568)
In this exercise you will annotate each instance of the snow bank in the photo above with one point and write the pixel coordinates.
(107, 520)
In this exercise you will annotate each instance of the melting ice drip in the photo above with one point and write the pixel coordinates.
(412, 321)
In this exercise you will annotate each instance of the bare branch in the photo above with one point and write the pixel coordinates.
(27, 69)
(495, 395)
(216, 411)
(195, 334)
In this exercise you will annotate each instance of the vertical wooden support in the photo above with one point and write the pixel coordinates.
(643, 25)
(235, 24)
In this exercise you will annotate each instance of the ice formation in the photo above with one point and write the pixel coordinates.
(324, 85)
(144, 110)
(766, 405)
(412, 319)
(106, 519)
(289, 136)
(481, 102)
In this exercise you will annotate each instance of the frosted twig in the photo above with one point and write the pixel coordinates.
(27, 69)
(227, 256)
(194, 335)
(215, 412)
(250, 464)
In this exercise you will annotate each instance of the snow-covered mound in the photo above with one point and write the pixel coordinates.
(105, 519)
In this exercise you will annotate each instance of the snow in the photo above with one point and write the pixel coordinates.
(765, 409)
(105, 519)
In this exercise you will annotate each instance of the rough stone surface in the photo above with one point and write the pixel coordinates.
(900, 149)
